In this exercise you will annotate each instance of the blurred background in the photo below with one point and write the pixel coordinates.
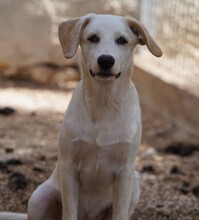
(36, 84)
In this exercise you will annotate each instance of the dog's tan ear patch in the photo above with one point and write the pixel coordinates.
(70, 32)
(144, 38)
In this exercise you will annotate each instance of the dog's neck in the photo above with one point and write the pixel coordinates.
(104, 97)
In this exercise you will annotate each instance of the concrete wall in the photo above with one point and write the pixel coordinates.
(28, 28)
(168, 99)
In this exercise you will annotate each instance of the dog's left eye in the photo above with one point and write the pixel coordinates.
(121, 40)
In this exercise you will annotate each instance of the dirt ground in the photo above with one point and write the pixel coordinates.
(168, 159)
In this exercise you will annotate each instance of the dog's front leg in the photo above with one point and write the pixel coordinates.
(122, 192)
(69, 190)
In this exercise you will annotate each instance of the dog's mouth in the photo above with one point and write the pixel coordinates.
(105, 75)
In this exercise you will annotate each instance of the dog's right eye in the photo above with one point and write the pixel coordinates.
(93, 39)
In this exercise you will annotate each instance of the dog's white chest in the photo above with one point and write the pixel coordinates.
(96, 165)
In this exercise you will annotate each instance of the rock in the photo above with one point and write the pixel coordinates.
(38, 170)
(175, 170)
(195, 191)
(15, 162)
(17, 181)
(184, 190)
(148, 169)
(164, 211)
(9, 150)
(181, 149)
(33, 114)
(150, 152)
(185, 184)
(3, 166)
(42, 158)
(6, 111)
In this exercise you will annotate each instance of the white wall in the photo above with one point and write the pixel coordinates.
(28, 28)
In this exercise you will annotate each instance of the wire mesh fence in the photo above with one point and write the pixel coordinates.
(175, 26)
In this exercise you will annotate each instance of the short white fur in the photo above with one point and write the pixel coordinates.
(94, 178)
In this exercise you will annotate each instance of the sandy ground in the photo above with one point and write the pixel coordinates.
(168, 157)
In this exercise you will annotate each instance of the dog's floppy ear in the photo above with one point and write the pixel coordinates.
(70, 32)
(144, 38)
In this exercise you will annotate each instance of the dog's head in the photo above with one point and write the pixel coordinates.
(106, 41)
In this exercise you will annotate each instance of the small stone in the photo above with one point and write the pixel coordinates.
(181, 149)
(159, 205)
(42, 158)
(185, 184)
(3, 165)
(195, 191)
(15, 162)
(184, 190)
(18, 181)
(164, 212)
(6, 111)
(38, 170)
(33, 113)
(175, 170)
(149, 153)
(148, 169)
(9, 150)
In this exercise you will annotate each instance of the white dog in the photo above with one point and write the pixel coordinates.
(94, 178)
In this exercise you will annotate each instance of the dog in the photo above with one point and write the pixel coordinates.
(94, 178)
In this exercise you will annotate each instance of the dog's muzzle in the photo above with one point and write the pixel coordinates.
(105, 75)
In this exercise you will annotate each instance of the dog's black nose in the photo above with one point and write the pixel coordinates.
(105, 61)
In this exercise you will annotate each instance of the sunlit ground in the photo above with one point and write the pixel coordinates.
(27, 99)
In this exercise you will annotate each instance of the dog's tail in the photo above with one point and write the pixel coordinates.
(13, 216)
